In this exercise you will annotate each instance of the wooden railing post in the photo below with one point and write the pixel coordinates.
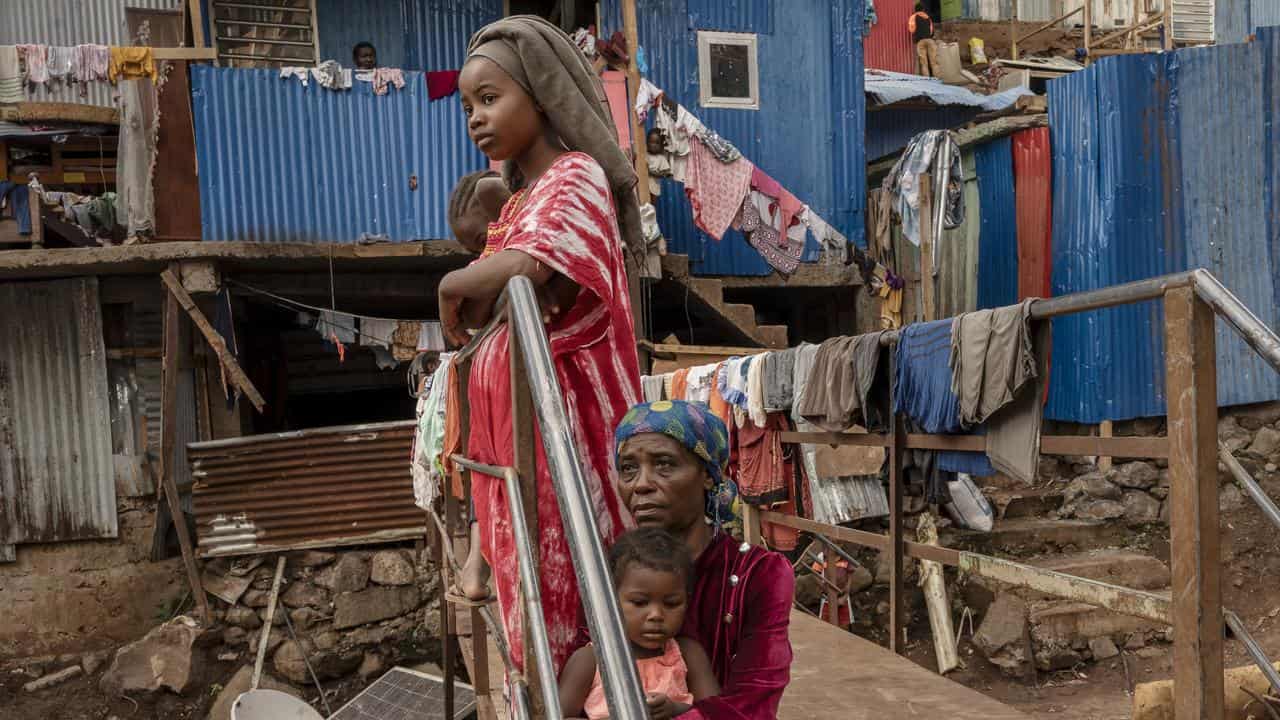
(1191, 389)
(897, 606)
(524, 462)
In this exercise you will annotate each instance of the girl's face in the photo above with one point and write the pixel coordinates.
(653, 606)
(502, 120)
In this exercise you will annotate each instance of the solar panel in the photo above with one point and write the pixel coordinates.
(404, 694)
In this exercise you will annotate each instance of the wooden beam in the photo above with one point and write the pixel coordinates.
(897, 486)
(1191, 389)
(228, 361)
(1105, 430)
(196, 14)
(926, 246)
(631, 31)
(168, 449)
(1125, 447)
(184, 53)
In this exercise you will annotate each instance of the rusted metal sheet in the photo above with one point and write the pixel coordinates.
(345, 485)
(175, 170)
(888, 44)
(1033, 200)
(57, 478)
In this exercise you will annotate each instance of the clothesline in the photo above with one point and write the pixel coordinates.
(296, 304)
(27, 65)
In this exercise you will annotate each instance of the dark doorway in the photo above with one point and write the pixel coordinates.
(568, 14)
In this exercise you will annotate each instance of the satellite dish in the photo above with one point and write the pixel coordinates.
(271, 705)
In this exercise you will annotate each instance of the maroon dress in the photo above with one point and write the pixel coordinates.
(740, 611)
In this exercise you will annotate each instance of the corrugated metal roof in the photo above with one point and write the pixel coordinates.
(998, 247)
(329, 486)
(1033, 197)
(886, 88)
(888, 46)
(57, 478)
(331, 165)
(71, 22)
(1146, 183)
(805, 94)
(957, 255)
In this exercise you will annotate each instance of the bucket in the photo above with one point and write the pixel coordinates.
(265, 704)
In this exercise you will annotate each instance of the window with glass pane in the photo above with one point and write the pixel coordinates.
(730, 71)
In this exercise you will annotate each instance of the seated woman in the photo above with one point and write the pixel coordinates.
(671, 458)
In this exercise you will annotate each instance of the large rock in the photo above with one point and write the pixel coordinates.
(1005, 624)
(1266, 443)
(304, 594)
(374, 604)
(1140, 508)
(1230, 498)
(243, 617)
(1092, 485)
(391, 567)
(305, 618)
(161, 659)
(1136, 475)
(290, 660)
(239, 684)
(316, 558)
(348, 574)
(1103, 648)
(1231, 435)
(1100, 510)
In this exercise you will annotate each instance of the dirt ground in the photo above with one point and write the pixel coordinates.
(1101, 691)
(995, 36)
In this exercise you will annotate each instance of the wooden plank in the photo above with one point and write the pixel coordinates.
(1126, 447)
(228, 361)
(897, 585)
(946, 556)
(175, 164)
(524, 460)
(1191, 388)
(266, 626)
(168, 448)
(196, 13)
(926, 246)
(836, 675)
(29, 112)
(182, 53)
(631, 32)
(1105, 430)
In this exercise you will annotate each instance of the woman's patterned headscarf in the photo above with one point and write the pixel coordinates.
(704, 434)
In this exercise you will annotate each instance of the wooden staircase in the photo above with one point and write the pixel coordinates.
(734, 323)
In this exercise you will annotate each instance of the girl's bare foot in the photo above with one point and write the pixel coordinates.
(474, 580)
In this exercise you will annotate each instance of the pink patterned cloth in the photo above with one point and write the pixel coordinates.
(568, 223)
(715, 189)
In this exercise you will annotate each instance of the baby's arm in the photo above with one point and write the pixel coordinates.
(575, 681)
(701, 678)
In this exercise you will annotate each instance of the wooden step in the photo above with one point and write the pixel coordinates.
(1033, 536)
(1063, 623)
(1012, 503)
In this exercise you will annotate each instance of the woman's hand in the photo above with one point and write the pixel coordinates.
(451, 320)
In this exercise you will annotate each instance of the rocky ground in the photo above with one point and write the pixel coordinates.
(348, 614)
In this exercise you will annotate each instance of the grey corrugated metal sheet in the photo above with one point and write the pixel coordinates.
(71, 22)
(957, 262)
(1193, 20)
(886, 88)
(1036, 10)
(57, 480)
(312, 488)
(330, 165)
(1146, 183)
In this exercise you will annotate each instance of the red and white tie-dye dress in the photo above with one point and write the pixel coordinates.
(568, 222)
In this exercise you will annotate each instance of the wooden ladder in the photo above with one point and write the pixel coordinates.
(265, 33)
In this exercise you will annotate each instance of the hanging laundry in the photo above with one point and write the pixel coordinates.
(135, 157)
(404, 341)
(442, 83)
(890, 307)
(429, 439)
(679, 384)
(764, 462)
(996, 374)
(16, 198)
(848, 385)
(302, 74)
(90, 63)
(431, 337)
(131, 62)
(376, 332)
(336, 326)
(901, 187)
(11, 90)
(659, 167)
(331, 75)
(642, 61)
(452, 435)
(646, 97)
(869, 17)
(732, 381)
(722, 149)
(832, 499)
(384, 77)
(755, 391)
(60, 62)
(832, 240)
(715, 189)
(781, 252)
(652, 388)
(698, 384)
(36, 59)
(778, 368)
(586, 42)
(782, 538)
(655, 246)
(719, 406)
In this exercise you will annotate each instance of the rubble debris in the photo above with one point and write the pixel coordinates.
(227, 588)
(93, 661)
(315, 558)
(1140, 508)
(348, 574)
(1265, 444)
(161, 659)
(303, 594)
(1103, 648)
(52, 679)
(391, 567)
(1002, 635)
(1135, 475)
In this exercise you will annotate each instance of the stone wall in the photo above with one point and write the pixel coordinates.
(77, 596)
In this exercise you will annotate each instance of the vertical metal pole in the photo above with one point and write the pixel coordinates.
(897, 606)
(524, 462)
(1191, 387)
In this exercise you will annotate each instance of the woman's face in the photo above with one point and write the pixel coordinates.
(662, 483)
(502, 119)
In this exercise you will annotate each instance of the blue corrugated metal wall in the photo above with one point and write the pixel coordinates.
(1235, 20)
(1148, 180)
(998, 235)
(280, 162)
(811, 106)
(889, 130)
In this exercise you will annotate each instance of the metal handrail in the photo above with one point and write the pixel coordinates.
(518, 307)
(1261, 338)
